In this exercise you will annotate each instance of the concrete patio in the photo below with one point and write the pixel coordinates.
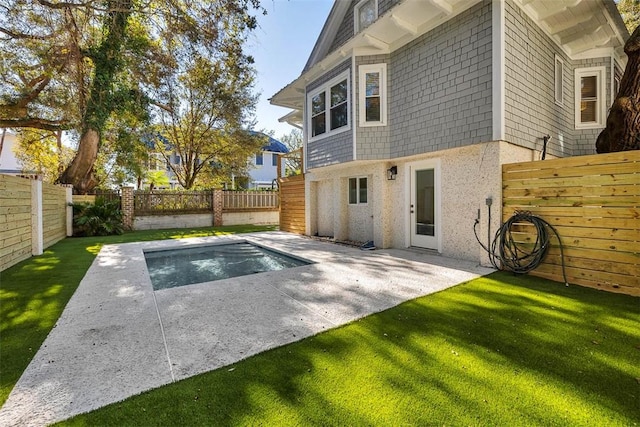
(118, 337)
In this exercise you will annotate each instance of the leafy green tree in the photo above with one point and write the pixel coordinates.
(42, 151)
(72, 65)
(630, 12)
(293, 141)
(157, 179)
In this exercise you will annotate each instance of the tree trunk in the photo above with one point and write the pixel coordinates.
(623, 124)
(80, 171)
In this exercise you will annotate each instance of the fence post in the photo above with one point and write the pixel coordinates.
(69, 201)
(217, 207)
(127, 207)
(37, 241)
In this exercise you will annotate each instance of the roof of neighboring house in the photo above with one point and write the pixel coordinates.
(273, 144)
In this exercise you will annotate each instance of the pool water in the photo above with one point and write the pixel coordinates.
(186, 266)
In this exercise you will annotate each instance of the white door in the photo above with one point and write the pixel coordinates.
(424, 208)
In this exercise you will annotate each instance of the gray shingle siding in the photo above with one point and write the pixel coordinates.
(337, 148)
(371, 142)
(442, 85)
(530, 108)
(345, 31)
(585, 139)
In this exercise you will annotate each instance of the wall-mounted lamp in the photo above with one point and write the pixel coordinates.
(392, 172)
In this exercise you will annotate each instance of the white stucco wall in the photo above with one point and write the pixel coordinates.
(255, 218)
(469, 175)
(159, 222)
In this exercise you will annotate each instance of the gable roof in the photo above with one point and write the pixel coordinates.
(582, 28)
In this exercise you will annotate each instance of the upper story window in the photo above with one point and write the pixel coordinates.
(589, 92)
(364, 14)
(373, 95)
(357, 191)
(559, 80)
(329, 107)
(259, 160)
(274, 159)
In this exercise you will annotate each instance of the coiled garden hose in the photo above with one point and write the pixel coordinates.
(506, 254)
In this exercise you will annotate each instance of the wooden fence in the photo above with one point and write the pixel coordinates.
(33, 216)
(594, 204)
(168, 203)
(187, 202)
(292, 210)
(249, 200)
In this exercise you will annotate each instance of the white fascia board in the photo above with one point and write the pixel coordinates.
(498, 69)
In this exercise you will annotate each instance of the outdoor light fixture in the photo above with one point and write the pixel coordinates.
(392, 172)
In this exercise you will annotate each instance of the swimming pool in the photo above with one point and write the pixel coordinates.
(169, 268)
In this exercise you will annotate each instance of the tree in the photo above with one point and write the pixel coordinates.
(71, 65)
(623, 123)
(205, 109)
(630, 12)
(293, 141)
(41, 151)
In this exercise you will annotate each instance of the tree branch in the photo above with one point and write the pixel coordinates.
(35, 123)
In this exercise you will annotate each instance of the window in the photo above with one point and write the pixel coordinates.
(364, 14)
(373, 94)
(274, 159)
(259, 159)
(559, 81)
(589, 92)
(357, 191)
(329, 107)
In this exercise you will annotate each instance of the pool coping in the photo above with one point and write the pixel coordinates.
(117, 337)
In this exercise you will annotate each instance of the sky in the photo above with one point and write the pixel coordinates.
(281, 46)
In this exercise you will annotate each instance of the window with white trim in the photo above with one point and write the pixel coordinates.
(329, 108)
(274, 159)
(373, 95)
(364, 14)
(559, 81)
(357, 191)
(259, 160)
(589, 93)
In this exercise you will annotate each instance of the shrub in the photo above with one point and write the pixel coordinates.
(103, 218)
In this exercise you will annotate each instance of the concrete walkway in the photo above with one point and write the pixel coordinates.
(117, 337)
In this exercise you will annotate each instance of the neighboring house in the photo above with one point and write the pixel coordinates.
(409, 109)
(263, 169)
(8, 163)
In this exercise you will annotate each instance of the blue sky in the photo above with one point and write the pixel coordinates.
(281, 46)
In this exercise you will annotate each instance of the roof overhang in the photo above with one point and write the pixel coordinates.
(579, 27)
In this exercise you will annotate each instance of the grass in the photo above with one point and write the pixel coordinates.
(499, 350)
(34, 292)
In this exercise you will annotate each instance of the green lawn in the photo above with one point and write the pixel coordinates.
(34, 292)
(499, 350)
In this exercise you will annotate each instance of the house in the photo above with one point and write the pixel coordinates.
(8, 163)
(264, 165)
(409, 109)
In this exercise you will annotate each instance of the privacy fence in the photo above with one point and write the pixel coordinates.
(291, 183)
(33, 216)
(594, 204)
